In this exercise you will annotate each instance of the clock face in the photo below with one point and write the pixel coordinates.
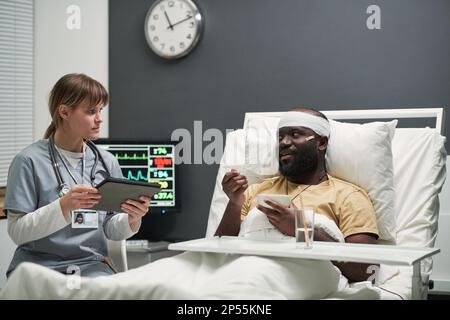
(173, 27)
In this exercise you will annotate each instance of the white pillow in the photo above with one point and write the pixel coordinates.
(420, 172)
(419, 175)
(360, 154)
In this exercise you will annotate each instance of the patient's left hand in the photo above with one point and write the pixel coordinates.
(136, 209)
(282, 218)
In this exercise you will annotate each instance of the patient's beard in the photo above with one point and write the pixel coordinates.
(305, 160)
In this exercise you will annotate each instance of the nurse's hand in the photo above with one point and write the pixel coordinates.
(80, 196)
(136, 209)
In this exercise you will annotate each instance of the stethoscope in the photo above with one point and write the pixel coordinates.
(64, 187)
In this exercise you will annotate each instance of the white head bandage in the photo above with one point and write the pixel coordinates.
(302, 119)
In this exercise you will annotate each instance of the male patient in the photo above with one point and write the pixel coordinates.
(303, 138)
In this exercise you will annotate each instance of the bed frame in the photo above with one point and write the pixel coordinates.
(437, 113)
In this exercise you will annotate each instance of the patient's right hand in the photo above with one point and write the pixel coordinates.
(234, 186)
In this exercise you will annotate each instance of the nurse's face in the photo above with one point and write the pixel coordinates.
(84, 120)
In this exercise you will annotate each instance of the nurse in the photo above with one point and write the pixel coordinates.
(53, 180)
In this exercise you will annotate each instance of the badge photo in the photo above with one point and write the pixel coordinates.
(87, 219)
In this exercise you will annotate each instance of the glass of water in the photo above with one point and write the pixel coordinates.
(304, 227)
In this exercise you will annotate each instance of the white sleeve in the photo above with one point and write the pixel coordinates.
(23, 228)
(117, 227)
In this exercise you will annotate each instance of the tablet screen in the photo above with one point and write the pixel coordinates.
(115, 191)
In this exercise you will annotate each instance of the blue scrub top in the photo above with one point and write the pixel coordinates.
(32, 184)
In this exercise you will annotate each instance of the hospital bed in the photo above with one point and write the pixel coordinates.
(417, 174)
(409, 167)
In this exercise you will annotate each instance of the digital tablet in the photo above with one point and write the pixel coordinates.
(115, 191)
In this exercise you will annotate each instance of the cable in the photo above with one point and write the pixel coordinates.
(391, 292)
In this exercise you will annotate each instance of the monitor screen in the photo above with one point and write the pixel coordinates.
(150, 162)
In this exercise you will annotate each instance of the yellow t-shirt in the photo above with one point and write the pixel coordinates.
(346, 204)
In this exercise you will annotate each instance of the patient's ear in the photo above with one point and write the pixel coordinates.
(323, 143)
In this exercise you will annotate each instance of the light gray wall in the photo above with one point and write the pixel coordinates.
(265, 55)
(59, 50)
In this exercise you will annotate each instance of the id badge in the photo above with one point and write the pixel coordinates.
(84, 218)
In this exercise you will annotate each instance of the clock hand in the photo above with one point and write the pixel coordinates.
(173, 25)
(168, 20)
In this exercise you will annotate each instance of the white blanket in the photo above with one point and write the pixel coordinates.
(194, 275)
(187, 276)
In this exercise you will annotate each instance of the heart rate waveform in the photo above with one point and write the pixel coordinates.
(136, 174)
(131, 157)
(148, 162)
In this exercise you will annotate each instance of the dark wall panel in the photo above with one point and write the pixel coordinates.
(266, 55)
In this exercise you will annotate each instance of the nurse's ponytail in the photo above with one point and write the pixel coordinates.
(50, 130)
(70, 91)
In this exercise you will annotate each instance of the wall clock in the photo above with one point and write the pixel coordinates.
(173, 27)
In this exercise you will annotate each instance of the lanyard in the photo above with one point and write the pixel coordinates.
(301, 191)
